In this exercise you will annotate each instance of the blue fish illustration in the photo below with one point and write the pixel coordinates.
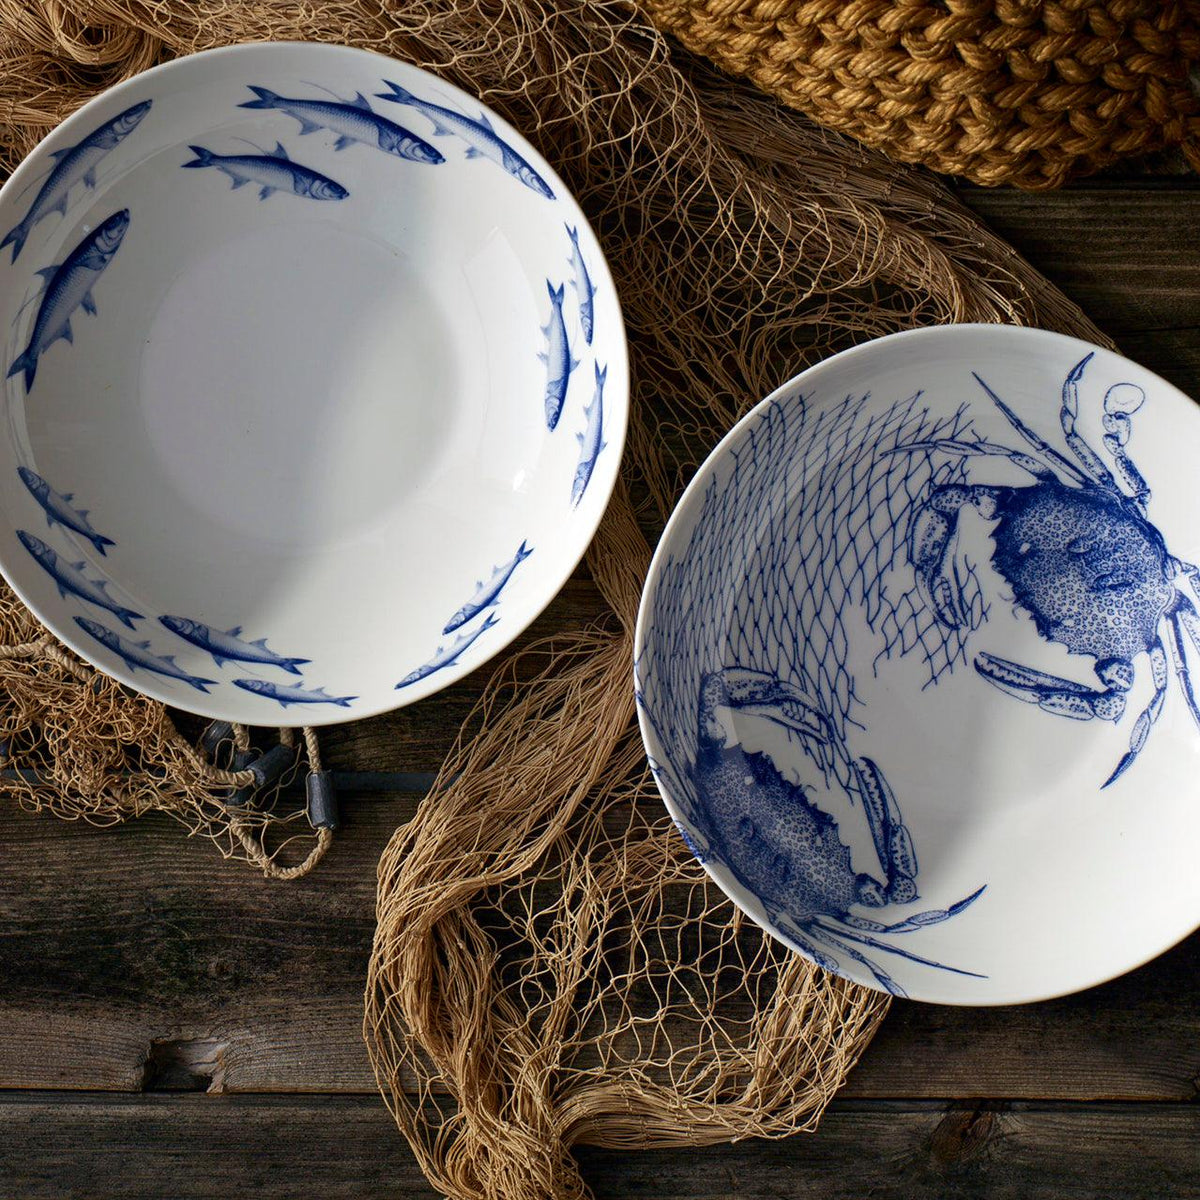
(273, 172)
(591, 440)
(138, 654)
(228, 646)
(352, 121)
(487, 592)
(58, 509)
(446, 655)
(583, 285)
(482, 140)
(291, 695)
(69, 286)
(72, 165)
(557, 357)
(70, 578)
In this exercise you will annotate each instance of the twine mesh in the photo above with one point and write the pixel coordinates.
(79, 745)
(1002, 91)
(550, 966)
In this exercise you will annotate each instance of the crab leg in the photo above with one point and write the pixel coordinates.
(1182, 616)
(1093, 464)
(929, 539)
(964, 449)
(1121, 401)
(747, 690)
(1193, 574)
(832, 936)
(743, 690)
(1131, 475)
(804, 943)
(934, 916)
(893, 844)
(1043, 447)
(884, 979)
(1148, 715)
(1063, 697)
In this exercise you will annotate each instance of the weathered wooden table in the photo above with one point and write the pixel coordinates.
(174, 1026)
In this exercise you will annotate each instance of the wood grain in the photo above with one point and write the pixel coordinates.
(211, 1148)
(1125, 253)
(116, 940)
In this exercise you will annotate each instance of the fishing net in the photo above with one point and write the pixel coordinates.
(550, 966)
(75, 743)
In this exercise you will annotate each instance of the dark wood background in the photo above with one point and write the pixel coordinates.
(175, 1026)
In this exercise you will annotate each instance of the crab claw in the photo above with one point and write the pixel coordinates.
(763, 695)
(929, 539)
(893, 845)
(1064, 697)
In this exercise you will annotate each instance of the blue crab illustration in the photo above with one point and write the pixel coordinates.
(1082, 558)
(787, 851)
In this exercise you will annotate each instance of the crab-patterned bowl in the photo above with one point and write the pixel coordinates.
(917, 664)
(315, 383)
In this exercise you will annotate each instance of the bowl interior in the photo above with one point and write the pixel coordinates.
(915, 664)
(312, 342)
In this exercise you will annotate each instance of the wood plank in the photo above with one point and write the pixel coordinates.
(1134, 1038)
(134, 956)
(116, 939)
(1018, 1152)
(1125, 253)
(197, 1147)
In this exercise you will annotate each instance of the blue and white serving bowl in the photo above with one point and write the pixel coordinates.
(315, 383)
(918, 664)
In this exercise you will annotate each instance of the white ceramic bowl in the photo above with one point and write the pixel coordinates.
(918, 661)
(316, 383)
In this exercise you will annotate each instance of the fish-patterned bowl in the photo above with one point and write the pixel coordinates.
(918, 664)
(315, 383)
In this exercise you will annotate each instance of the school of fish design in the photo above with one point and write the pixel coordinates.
(557, 357)
(448, 655)
(228, 645)
(352, 121)
(72, 165)
(139, 654)
(68, 287)
(487, 591)
(59, 511)
(591, 440)
(481, 139)
(582, 282)
(70, 579)
(287, 694)
(273, 173)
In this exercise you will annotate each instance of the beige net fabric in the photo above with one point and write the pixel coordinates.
(550, 966)
(77, 744)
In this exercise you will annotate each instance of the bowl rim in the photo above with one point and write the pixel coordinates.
(605, 484)
(682, 511)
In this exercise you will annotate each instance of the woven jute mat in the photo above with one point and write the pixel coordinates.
(551, 967)
(1026, 92)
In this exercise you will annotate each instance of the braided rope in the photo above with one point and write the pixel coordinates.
(1001, 91)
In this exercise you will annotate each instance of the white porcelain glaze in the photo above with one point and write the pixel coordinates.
(309, 405)
(917, 664)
